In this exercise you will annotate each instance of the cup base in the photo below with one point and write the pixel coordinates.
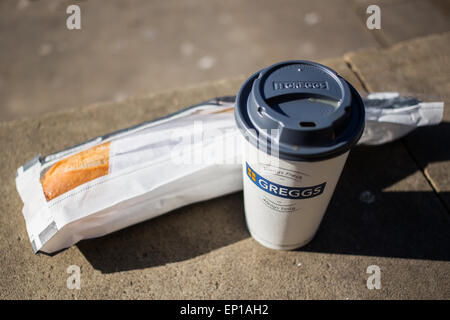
(274, 246)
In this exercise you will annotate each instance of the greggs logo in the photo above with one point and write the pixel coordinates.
(280, 85)
(284, 191)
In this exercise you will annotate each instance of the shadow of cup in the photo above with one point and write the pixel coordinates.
(401, 220)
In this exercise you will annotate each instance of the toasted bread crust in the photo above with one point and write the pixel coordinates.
(76, 170)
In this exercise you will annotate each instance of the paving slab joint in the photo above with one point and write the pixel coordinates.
(357, 74)
(427, 177)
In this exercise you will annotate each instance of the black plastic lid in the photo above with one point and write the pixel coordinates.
(318, 114)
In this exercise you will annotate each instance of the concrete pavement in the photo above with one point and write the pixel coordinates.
(205, 251)
(126, 48)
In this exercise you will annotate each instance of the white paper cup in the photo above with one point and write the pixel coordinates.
(284, 204)
(297, 134)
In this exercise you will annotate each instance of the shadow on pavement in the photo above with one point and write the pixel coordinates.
(398, 223)
(182, 234)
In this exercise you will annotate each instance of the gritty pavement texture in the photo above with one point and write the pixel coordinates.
(125, 48)
(204, 250)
